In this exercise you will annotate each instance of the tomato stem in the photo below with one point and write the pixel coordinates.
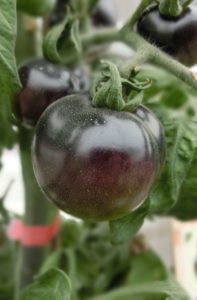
(139, 11)
(28, 30)
(139, 58)
(158, 57)
(38, 211)
(100, 37)
(146, 52)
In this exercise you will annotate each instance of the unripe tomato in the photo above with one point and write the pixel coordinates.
(94, 163)
(44, 83)
(175, 35)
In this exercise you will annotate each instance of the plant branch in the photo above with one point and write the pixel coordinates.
(100, 37)
(158, 57)
(145, 53)
(139, 58)
(139, 11)
(38, 211)
(28, 30)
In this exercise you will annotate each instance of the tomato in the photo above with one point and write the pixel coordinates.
(44, 83)
(94, 163)
(175, 35)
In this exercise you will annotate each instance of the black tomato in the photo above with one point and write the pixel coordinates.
(94, 163)
(175, 35)
(44, 83)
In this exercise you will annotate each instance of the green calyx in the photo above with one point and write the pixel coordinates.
(172, 8)
(112, 91)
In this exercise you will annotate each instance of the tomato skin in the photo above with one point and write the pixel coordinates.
(175, 35)
(44, 83)
(153, 124)
(93, 163)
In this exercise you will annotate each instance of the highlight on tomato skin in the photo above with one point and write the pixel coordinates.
(44, 83)
(175, 35)
(156, 128)
(93, 163)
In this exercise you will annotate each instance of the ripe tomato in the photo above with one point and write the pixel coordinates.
(94, 163)
(175, 35)
(44, 83)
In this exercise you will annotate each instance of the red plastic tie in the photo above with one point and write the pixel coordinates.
(33, 236)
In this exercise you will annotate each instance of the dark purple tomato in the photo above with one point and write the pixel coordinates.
(94, 163)
(175, 35)
(44, 83)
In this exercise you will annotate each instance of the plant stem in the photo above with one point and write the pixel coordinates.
(38, 211)
(146, 52)
(139, 11)
(100, 37)
(139, 58)
(158, 57)
(27, 29)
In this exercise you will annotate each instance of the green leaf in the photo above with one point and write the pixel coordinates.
(147, 279)
(176, 106)
(181, 152)
(186, 206)
(126, 228)
(53, 285)
(36, 7)
(158, 290)
(146, 267)
(9, 81)
(62, 44)
(52, 261)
